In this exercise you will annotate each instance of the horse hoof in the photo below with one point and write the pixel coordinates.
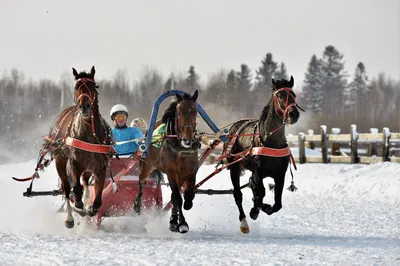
(69, 224)
(183, 228)
(244, 226)
(188, 205)
(173, 228)
(81, 212)
(254, 213)
(91, 211)
(137, 208)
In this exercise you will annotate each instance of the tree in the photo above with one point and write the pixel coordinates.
(335, 83)
(281, 72)
(244, 85)
(192, 80)
(312, 96)
(264, 74)
(358, 90)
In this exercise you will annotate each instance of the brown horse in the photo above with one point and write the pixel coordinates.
(270, 129)
(80, 142)
(177, 157)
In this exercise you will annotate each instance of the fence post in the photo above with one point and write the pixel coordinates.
(335, 146)
(353, 144)
(386, 144)
(302, 148)
(372, 150)
(324, 144)
(311, 144)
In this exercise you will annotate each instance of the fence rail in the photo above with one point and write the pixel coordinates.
(333, 147)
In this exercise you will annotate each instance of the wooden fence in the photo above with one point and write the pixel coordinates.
(334, 147)
(378, 147)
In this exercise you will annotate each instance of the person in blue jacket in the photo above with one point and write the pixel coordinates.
(121, 132)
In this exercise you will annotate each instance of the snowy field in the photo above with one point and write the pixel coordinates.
(341, 215)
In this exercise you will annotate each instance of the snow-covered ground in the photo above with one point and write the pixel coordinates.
(341, 215)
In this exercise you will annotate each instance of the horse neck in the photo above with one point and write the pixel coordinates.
(269, 122)
(84, 129)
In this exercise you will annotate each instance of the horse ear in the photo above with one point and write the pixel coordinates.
(74, 72)
(194, 97)
(274, 81)
(179, 97)
(92, 72)
(291, 81)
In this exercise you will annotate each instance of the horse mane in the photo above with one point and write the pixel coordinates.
(169, 113)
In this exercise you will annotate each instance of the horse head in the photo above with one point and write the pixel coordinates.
(85, 92)
(284, 100)
(185, 118)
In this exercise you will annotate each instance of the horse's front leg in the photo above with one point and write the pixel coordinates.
(100, 176)
(86, 193)
(278, 190)
(176, 198)
(189, 192)
(78, 188)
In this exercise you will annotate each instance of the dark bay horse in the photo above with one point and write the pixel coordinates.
(268, 131)
(80, 142)
(177, 157)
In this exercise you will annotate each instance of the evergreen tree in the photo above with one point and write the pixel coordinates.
(312, 96)
(244, 85)
(281, 72)
(335, 83)
(264, 74)
(192, 80)
(358, 87)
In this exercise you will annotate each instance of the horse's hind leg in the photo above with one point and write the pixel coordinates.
(100, 175)
(61, 164)
(237, 194)
(145, 170)
(279, 184)
(257, 186)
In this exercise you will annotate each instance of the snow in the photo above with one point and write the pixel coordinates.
(341, 214)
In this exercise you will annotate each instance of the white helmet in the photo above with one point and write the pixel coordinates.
(140, 123)
(118, 108)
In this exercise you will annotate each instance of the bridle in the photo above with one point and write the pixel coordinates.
(185, 124)
(289, 107)
(86, 91)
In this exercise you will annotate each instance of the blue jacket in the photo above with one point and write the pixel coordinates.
(124, 134)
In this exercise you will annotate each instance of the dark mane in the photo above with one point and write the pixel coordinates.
(82, 75)
(169, 113)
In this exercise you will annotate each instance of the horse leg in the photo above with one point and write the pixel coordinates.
(182, 227)
(279, 184)
(145, 170)
(237, 194)
(62, 173)
(189, 192)
(257, 186)
(100, 175)
(86, 193)
(173, 220)
(78, 188)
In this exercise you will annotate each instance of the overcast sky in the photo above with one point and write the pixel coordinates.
(47, 38)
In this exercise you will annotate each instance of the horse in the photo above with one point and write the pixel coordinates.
(80, 142)
(177, 158)
(270, 129)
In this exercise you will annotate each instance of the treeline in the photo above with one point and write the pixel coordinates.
(329, 94)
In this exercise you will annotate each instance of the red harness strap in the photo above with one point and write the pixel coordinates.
(90, 147)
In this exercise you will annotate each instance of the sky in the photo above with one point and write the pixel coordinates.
(46, 38)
